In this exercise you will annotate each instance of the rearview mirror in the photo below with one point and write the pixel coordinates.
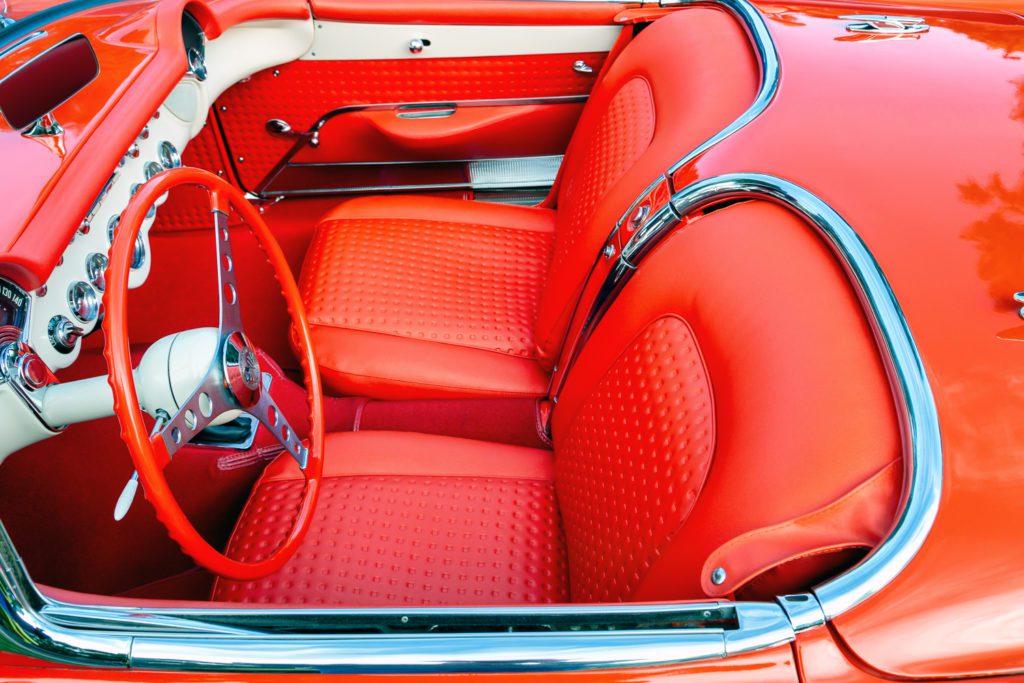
(50, 79)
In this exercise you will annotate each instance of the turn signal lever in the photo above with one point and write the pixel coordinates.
(284, 129)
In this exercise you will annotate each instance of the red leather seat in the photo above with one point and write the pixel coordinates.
(698, 429)
(418, 298)
(409, 519)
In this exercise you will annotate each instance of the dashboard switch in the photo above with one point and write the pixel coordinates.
(63, 333)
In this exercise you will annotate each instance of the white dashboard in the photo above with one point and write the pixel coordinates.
(54, 318)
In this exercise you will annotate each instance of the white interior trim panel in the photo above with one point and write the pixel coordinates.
(334, 40)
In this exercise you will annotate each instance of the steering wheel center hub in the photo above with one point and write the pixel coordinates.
(241, 369)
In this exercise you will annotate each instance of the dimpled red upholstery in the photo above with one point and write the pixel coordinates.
(634, 460)
(688, 420)
(480, 529)
(624, 132)
(409, 307)
(682, 79)
(302, 91)
(474, 285)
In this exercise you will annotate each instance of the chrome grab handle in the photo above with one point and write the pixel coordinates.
(426, 111)
(284, 129)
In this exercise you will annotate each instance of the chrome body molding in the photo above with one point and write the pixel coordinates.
(418, 640)
(767, 56)
(768, 59)
(919, 422)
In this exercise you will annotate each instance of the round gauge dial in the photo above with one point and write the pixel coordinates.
(13, 305)
(13, 312)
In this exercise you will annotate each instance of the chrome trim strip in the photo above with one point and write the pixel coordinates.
(262, 189)
(299, 640)
(768, 58)
(922, 445)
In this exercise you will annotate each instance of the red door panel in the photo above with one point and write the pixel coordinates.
(303, 91)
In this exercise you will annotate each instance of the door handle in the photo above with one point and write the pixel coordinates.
(425, 111)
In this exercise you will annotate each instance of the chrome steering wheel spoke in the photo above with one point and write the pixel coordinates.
(271, 417)
(230, 309)
(208, 402)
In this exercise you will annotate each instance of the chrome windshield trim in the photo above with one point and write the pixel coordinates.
(919, 421)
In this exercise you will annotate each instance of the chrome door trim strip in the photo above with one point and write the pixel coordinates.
(918, 415)
(313, 132)
(270, 640)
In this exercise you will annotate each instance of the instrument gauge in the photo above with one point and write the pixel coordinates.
(14, 303)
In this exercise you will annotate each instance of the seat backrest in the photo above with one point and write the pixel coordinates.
(681, 80)
(733, 385)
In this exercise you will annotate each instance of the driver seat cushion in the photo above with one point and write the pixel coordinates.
(408, 519)
(427, 297)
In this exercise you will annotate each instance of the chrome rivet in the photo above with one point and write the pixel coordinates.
(241, 160)
(223, 107)
(608, 251)
(220, 173)
(277, 72)
(718, 576)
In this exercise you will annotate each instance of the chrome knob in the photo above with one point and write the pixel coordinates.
(32, 371)
(416, 45)
(63, 333)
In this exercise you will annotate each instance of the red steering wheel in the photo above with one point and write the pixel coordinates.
(233, 381)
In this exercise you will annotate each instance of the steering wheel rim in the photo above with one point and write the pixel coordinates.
(231, 387)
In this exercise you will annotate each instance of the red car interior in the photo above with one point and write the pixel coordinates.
(482, 293)
(729, 411)
(677, 409)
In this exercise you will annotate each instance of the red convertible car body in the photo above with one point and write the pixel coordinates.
(618, 340)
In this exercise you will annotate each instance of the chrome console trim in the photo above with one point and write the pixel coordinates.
(922, 445)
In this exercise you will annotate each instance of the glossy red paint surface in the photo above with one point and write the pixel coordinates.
(772, 665)
(925, 166)
(940, 211)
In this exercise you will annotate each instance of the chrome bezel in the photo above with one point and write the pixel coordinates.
(168, 154)
(95, 270)
(83, 301)
(151, 170)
